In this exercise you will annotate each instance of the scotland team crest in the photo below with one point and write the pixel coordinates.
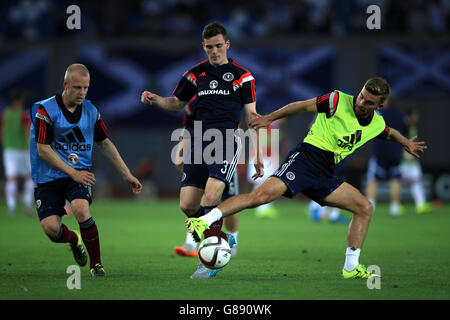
(228, 76)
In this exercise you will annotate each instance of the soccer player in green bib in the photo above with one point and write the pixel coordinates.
(343, 124)
(15, 126)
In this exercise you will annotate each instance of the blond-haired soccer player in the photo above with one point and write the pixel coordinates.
(344, 123)
(62, 136)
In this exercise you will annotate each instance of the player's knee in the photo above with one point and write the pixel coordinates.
(51, 230)
(366, 209)
(212, 198)
(188, 210)
(81, 212)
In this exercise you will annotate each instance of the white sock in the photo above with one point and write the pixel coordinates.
(334, 214)
(213, 216)
(11, 195)
(418, 193)
(190, 240)
(28, 193)
(394, 208)
(235, 235)
(373, 204)
(351, 258)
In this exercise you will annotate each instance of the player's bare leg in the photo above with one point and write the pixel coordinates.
(372, 191)
(270, 190)
(395, 189)
(190, 200)
(213, 195)
(231, 224)
(11, 187)
(349, 198)
(213, 191)
(80, 209)
(51, 226)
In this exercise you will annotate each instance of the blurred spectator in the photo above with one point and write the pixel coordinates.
(15, 125)
(29, 20)
(36, 20)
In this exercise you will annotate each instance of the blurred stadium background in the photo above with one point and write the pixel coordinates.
(296, 49)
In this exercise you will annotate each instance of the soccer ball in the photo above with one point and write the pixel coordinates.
(214, 252)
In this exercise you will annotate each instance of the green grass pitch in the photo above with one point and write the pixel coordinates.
(289, 258)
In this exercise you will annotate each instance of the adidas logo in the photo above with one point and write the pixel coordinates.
(203, 74)
(75, 141)
(348, 142)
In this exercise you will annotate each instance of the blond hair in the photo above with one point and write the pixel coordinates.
(75, 67)
(378, 87)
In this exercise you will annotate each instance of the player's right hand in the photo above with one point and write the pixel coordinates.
(147, 97)
(260, 122)
(134, 183)
(84, 177)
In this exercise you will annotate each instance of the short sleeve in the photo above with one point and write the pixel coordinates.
(328, 103)
(186, 88)
(43, 126)
(100, 130)
(248, 90)
(384, 134)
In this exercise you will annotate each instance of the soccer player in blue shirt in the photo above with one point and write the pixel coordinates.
(223, 88)
(64, 128)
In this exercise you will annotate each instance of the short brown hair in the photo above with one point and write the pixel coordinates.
(378, 87)
(213, 29)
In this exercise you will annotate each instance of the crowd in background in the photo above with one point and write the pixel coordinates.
(41, 20)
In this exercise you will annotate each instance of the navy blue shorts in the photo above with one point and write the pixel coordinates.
(224, 168)
(301, 175)
(51, 197)
(382, 171)
(233, 189)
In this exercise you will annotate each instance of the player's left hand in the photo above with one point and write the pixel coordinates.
(412, 147)
(134, 183)
(259, 167)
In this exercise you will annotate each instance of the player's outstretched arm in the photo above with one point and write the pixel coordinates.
(111, 152)
(46, 152)
(410, 146)
(288, 110)
(169, 104)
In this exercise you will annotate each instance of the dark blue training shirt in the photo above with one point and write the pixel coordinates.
(220, 93)
(387, 153)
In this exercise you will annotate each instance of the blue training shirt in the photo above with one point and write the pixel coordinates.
(389, 154)
(71, 140)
